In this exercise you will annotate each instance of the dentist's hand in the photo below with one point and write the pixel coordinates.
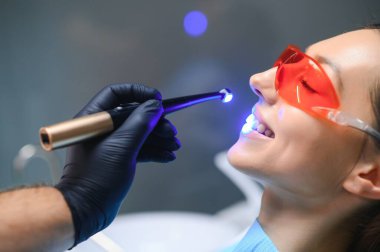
(99, 172)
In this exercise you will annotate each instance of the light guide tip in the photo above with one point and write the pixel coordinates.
(227, 95)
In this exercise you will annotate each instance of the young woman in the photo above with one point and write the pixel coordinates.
(311, 142)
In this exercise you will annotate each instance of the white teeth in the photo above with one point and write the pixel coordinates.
(253, 124)
(260, 128)
(249, 119)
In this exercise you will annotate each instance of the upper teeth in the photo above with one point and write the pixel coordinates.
(260, 128)
(254, 124)
(264, 130)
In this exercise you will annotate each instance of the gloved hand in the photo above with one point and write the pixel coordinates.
(99, 172)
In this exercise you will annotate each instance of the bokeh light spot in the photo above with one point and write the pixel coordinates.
(195, 23)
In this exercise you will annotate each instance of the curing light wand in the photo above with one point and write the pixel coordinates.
(82, 128)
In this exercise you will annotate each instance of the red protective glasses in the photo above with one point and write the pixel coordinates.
(302, 82)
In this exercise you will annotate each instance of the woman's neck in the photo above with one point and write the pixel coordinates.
(310, 227)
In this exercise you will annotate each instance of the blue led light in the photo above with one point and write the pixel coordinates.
(228, 97)
(195, 23)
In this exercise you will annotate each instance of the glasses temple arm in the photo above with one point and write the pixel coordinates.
(344, 119)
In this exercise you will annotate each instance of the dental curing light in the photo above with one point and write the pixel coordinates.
(82, 128)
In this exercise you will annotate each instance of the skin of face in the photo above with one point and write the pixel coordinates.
(310, 157)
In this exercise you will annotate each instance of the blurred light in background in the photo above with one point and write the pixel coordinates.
(195, 23)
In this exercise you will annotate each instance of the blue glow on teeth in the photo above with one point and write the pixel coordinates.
(251, 124)
(249, 119)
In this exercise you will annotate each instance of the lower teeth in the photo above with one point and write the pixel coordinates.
(266, 132)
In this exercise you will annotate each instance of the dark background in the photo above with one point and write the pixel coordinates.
(55, 55)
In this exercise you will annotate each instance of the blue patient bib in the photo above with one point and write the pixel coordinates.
(255, 240)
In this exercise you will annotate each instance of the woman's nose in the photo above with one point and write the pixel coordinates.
(263, 85)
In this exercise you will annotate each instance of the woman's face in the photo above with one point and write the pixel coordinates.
(308, 155)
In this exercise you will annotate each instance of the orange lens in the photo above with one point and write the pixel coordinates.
(302, 82)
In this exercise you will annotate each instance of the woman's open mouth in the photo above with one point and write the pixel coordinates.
(253, 123)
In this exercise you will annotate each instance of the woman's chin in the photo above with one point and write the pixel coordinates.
(236, 158)
(231, 155)
(244, 161)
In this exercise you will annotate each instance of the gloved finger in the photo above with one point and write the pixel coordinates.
(136, 128)
(171, 144)
(165, 128)
(149, 154)
(116, 94)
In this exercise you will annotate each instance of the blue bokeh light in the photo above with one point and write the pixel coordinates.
(195, 23)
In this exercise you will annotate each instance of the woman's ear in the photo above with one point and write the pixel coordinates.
(364, 179)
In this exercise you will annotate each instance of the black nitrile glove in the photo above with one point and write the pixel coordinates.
(99, 172)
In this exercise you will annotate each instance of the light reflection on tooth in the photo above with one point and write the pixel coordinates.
(246, 128)
(249, 119)
(260, 128)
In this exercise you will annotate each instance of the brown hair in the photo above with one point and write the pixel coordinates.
(375, 91)
(367, 234)
(375, 102)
